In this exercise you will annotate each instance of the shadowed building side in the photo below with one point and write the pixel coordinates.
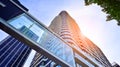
(13, 52)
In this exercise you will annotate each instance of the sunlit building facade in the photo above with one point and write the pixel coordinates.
(59, 45)
(67, 29)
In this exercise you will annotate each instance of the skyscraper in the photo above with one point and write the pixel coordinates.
(63, 45)
(67, 29)
(13, 52)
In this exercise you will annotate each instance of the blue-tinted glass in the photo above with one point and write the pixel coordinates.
(9, 54)
(14, 56)
(45, 38)
(6, 41)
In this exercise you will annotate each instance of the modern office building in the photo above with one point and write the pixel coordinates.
(67, 29)
(14, 16)
(60, 45)
(14, 53)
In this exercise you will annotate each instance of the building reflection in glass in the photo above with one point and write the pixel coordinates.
(46, 39)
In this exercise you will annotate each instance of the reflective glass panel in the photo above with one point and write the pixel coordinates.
(44, 38)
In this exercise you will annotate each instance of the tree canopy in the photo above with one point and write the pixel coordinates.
(111, 7)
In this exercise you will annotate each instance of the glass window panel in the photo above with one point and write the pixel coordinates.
(45, 38)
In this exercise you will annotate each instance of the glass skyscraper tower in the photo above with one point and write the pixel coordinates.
(67, 29)
(14, 53)
(59, 45)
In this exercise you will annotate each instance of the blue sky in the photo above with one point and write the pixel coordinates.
(90, 19)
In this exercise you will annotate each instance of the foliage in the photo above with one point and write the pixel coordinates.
(111, 7)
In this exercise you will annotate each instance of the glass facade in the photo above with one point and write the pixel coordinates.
(57, 47)
(45, 39)
(13, 52)
(52, 51)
